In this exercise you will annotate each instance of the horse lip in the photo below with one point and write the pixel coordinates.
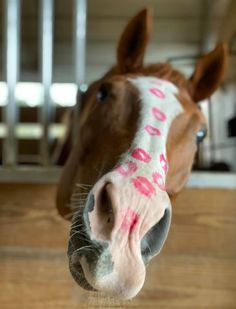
(75, 265)
(79, 276)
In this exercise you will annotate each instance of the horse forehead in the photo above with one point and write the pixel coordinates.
(159, 92)
(145, 82)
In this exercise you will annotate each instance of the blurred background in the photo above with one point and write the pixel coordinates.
(49, 49)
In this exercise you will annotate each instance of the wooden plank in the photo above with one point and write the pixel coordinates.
(22, 212)
(228, 27)
(41, 279)
(112, 8)
(196, 269)
(164, 30)
(165, 12)
(104, 53)
(161, 8)
(101, 56)
(203, 221)
(127, 8)
(65, 74)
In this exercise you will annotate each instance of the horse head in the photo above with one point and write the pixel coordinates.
(139, 126)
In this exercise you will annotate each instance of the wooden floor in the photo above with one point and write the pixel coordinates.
(196, 269)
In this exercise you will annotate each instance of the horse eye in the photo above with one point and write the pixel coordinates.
(103, 92)
(201, 134)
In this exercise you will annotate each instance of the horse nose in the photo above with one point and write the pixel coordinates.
(126, 226)
(116, 209)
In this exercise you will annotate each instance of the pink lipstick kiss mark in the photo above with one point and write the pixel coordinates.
(152, 130)
(127, 168)
(164, 163)
(143, 185)
(158, 114)
(141, 155)
(158, 179)
(158, 93)
(130, 219)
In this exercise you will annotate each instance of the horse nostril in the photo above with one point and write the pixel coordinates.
(101, 217)
(153, 241)
(90, 201)
(106, 204)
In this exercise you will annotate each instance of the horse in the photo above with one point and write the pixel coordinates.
(138, 130)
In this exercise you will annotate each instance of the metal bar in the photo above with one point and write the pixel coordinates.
(80, 20)
(212, 140)
(12, 51)
(46, 46)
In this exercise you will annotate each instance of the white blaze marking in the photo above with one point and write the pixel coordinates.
(159, 107)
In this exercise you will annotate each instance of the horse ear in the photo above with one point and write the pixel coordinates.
(209, 72)
(133, 42)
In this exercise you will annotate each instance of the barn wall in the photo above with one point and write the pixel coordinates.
(177, 30)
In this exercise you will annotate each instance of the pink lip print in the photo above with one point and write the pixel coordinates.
(130, 219)
(158, 179)
(127, 168)
(164, 163)
(158, 93)
(158, 114)
(141, 155)
(143, 185)
(152, 130)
